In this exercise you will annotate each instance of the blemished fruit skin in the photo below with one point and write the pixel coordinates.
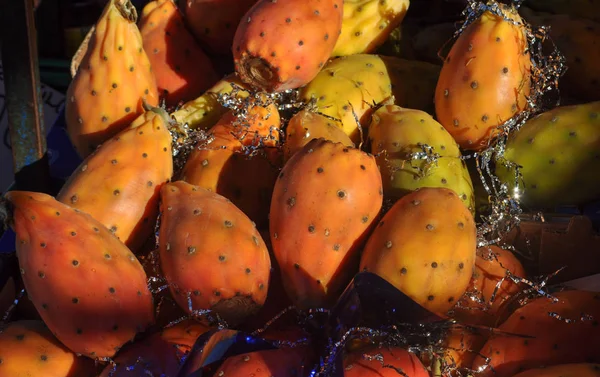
(324, 203)
(283, 44)
(564, 370)
(557, 155)
(211, 254)
(28, 348)
(73, 269)
(113, 80)
(366, 363)
(485, 79)
(119, 183)
(425, 246)
(554, 333)
(402, 139)
(182, 69)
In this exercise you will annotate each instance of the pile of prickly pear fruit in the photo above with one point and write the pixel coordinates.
(244, 162)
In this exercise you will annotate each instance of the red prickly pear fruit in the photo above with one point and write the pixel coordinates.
(489, 281)
(213, 22)
(564, 370)
(28, 348)
(268, 363)
(425, 246)
(324, 202)
(119, 183)
(113, 79)
(211, 253)
(485, 79)
(161, 354)
(280, 45)
(363, 363)
(89, 288)
(553, 333)
(182, 69)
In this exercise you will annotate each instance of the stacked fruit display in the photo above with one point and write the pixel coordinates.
(336, 147)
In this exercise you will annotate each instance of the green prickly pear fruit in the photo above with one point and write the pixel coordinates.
(367, 24)
(211, 253)
(283, 44)
(324, 202)
(88, 287)
(558, 155)
(350, 87)
(425, 246)
(413, 150)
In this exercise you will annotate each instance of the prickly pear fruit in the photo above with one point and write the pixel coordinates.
(119, 183)
(485, 79)
(73, 269)
(574, 8)
(160, 354)
(490, 286)
(306, 125)
(272, 49)
(557, 152)
(413, 150)
(369, 364)
(459, 345)
(181, 68)
(203, 112)
(213, 22)
(324, 202)
(113, 79)
(211, 253)
(425, 246)
(554, 331)
(348, 88)
(267, 363)
(28, 348)
(367, 24)
(564, 370)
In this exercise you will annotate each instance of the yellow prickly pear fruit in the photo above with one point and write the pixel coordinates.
(425, 246)
(366, 25)
(485, 79)
(113, 79)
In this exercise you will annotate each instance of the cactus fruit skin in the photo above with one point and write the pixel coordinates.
(266, 363)
(354, 85)
(564, 370)
(485, 79)
(73, 269)
(558, 154)
(28, 348)
(211, 252)
(306, 125)
(283, 44)
(113, 80)
(396, 134)
(324, 203)
(356, 365)
(425, 246)
(181, 68)
(213, 22)
(119, 183)
(554, 340)
(367, 24)
(458, 349)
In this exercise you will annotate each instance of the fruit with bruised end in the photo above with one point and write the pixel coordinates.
(73, 269)
(324, 202)
(425, 246)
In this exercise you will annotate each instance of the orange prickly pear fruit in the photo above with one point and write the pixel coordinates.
(182, 70)
(89, 289)
(485, 79)
(490, 280)
(280, 45)
(211, 253)
(425, 246)
(368, 364)
(324, 202)
(213, 22)
(113, 80)
(28, 348)
(119, 183)
(267, 363)
(553, 333)
(564, 370)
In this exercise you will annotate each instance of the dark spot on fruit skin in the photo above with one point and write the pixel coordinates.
(75, 300)
(434, 265)
(403, 270)
(430, 298)
(296, 266)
